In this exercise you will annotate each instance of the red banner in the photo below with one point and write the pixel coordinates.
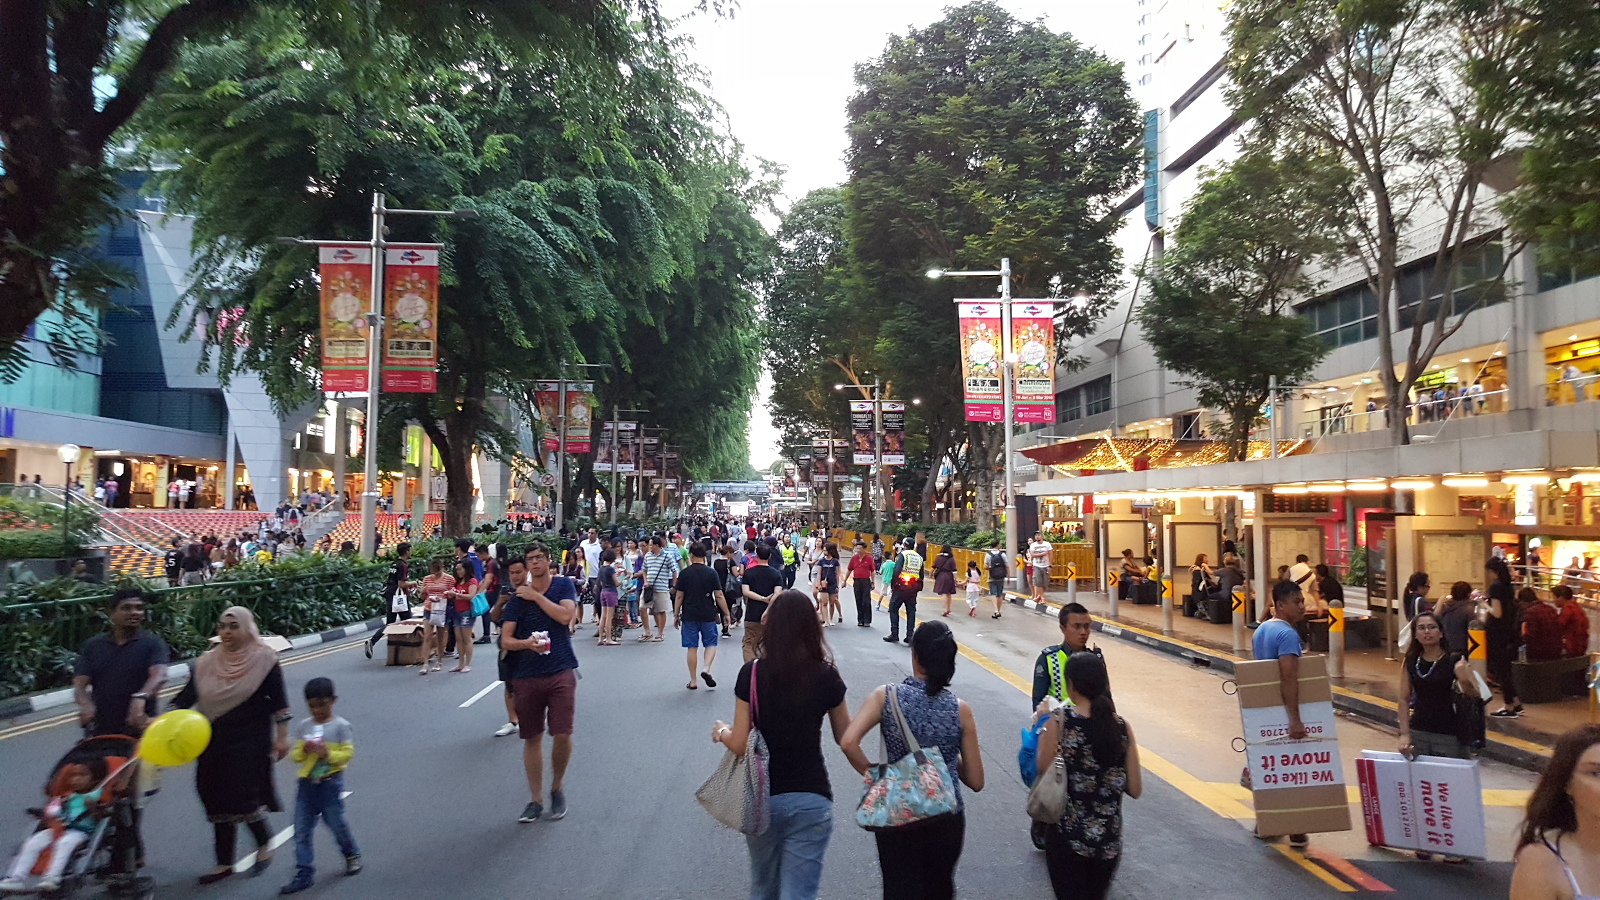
(980, 361)
(411, 319)
(547, 397)
(346, 282)
(1033, 341)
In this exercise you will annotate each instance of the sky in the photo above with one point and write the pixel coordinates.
(783, 70)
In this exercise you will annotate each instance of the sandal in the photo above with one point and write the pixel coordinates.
(645, 637)
(995, 616)
(657, 639)
(692, 686)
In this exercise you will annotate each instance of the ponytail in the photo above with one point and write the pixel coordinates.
(934, 648)
(1108, 738)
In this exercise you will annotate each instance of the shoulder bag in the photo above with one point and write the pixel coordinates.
(1047, 799)
(913, 789)
(737, 793)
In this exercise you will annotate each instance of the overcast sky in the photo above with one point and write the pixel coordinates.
(783, 70)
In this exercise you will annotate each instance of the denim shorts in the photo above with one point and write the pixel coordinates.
(460, 618)
(699, 634)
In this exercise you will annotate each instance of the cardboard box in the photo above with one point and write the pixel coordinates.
(404, 640)
(1297, 786)
(1432, 803)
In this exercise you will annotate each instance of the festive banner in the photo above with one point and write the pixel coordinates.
(650, 457)
(864, 449)
(980, 361)
(547, 397)
(411, 319)
(346, 279)
(1033, 340)
(894, 433)
(624, 450)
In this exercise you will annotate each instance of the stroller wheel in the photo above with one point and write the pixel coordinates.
(1037, 833)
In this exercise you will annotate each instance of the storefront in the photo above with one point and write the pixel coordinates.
(1571, 370)
(158, 482)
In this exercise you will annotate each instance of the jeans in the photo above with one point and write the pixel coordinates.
(633, 606)
(897, 599)
(786, 862)
(863, 601)
(919, 862)
(320, 798)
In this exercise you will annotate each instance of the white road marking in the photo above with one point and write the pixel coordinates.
(480, 695)
(278, 840)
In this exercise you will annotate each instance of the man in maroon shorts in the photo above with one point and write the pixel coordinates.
(543, 676)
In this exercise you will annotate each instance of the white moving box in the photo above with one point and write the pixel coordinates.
(1433, 803)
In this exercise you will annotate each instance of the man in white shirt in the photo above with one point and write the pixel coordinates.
(1300, 572)
(1040, 553)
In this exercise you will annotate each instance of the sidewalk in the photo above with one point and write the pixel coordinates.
(1369, 689)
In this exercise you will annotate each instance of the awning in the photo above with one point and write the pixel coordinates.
(1138, 454)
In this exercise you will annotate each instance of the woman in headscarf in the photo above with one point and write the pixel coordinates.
(238, 686)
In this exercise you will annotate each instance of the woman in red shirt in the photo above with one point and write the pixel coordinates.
(461, 613)
(859, 572)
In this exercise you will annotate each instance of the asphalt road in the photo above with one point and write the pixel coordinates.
(434, 796)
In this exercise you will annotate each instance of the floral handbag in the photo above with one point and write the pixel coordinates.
(916, 788)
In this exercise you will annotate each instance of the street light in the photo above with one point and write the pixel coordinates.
(1007, 361)
(616, 428)
(68, 454)
(380, 211)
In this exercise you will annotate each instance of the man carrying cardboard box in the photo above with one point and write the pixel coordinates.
(1277, 639)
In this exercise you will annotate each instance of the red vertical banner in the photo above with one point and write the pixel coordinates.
(980, 361)
(411, 319)
(1033, 341)
(547, 397)
(345, 274)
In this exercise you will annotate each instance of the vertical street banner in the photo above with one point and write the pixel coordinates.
(670, 466)
(863, 448)
(980, 361)
(411, 319)
(602, 451)
(1033, 341)
(547, 398)
(894, 433)
(626, 449)
(345, 274)
(649, 457)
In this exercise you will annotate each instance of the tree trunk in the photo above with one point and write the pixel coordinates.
(985, 443)
(937, 446)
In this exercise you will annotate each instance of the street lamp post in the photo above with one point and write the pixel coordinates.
(616, 428)
(369, 487)
(68, 454)
(1007, 393)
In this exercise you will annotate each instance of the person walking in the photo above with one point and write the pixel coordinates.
(697, 598)
(1415, 599)
(905, 584)
(1098, 751)
(535, 627)
(858, 574)
(323, 747)
(1557, 857)
(657, 579)
(919, 862)
(760, 585)
(886, 576)
(238, 686)
(944, 578)
(995, 562)
(787, 694)
(1502, 635)
(974, 585)
(828, 585)
(516, 574)
(1278, 638)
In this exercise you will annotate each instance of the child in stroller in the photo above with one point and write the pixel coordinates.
(87, 788)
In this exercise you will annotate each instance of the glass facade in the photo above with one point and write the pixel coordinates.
(1347, 317)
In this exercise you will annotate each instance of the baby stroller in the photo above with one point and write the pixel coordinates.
(110, 852)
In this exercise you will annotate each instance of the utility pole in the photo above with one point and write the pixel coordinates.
(877, 452)
(616, 435)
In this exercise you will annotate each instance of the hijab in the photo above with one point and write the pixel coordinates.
(225, 678)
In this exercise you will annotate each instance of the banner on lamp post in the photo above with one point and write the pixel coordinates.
(623, 461)
(649, 457)
(894, 433)
(980, 361)
(547, 397)
(863, 449)
(345, 274)
(1033, 341)
(411, 319)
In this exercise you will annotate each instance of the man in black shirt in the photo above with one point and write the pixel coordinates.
(170, 563)
(762, 584)
(696, 598)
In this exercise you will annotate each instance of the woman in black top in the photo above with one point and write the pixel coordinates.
(1329, 586)
(796, 685)
(1416, 595)
(944, 576)
(1427, 676)
(1502, 634)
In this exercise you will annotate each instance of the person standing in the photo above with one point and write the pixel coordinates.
(1040, 553)
(1556, 856)
(536, 626)
(608, 598)
(1415, 598)
(858, 573)
(436, 586)
(905, 583)
(396, 588)
(944, 577)
(459, 616)
(786, 695)
(1429, 670)
(238, 686)
(589, 551)
(516, 574)
(761, 586)
(697, 598)
(172, 563)
(995, 561)
(656, 581)
(323, 746)
(791, 562)
(1502, 635)
(1097, 748)
(1277, 638)
(919, 863)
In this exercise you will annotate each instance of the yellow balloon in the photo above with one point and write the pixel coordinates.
(175, 737)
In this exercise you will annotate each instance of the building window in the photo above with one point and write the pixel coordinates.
(1347, 317)
(1097, 396)
(1070, 405)
(1554, 276)
(1477, 281)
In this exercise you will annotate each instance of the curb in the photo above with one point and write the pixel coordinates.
(32, 703)
(1512, 751)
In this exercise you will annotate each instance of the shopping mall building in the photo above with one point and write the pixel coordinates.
(1504, 422)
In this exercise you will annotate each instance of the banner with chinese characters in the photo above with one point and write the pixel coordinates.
(894, 433)
(980, 361)
(410, 319)
(346, 281)
(1033, 341)
(620, 456)
(547, 397)
(863, 447)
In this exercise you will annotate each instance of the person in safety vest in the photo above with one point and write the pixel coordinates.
(791, 561)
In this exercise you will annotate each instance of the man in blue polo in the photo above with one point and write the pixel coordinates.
(1277, 639)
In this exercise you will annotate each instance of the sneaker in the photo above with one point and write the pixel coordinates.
(301, 881)
(13, 885)
(1506, 713)
(558, 805)
(1299, 841)
(891, 639)
(352, 865)
(482, 640)
(507, 728)
(531, 812)
(369, 649)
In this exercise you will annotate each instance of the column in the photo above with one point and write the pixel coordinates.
(227, 479)
(1258, 557)
(1525, 352)
(341, 447)
(400, 482)
(419, 504)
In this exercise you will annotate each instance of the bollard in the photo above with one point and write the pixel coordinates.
(1166, 606)
(1336, 639)
(1477, 649)
(1111, 590)
(1072, 583)
(1240, 643)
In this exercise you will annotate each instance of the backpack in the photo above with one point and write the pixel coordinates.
(995, 561)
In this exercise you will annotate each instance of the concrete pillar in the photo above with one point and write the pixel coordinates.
(341, 447)
(225, 483)
(1258, 557)
(1121, 506)
(1524, 351)
(400, 483)
(419, 505)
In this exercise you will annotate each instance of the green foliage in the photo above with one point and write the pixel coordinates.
(980, 540)
(31, 528)
(1356, 574)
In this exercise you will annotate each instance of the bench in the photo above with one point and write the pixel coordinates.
(1549, 680)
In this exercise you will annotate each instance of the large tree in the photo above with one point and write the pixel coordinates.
(1220, 304)
(73, 72)
(977, 138)
(1387, 87)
